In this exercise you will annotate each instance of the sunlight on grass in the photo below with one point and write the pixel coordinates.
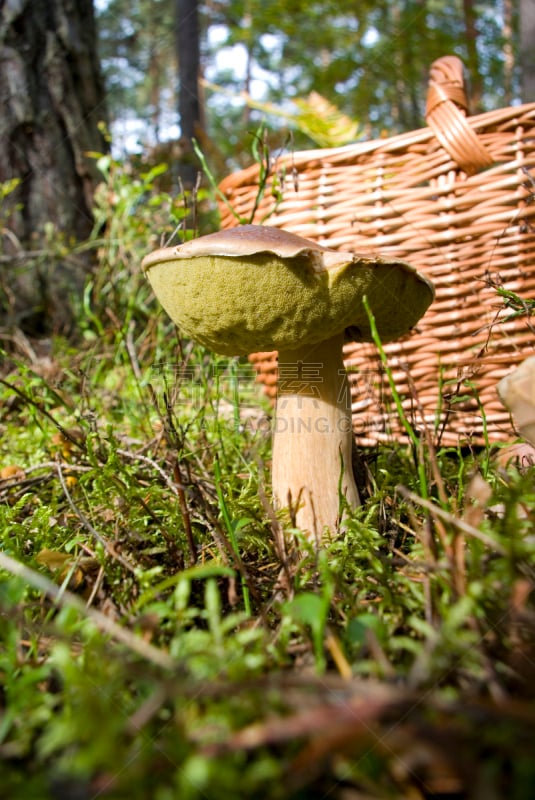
(154, 645)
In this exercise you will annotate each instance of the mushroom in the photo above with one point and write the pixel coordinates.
(256, 288)
(517, 393)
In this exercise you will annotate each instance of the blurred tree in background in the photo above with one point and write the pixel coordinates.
(137, 50)
(52, 99)
(178, 69)
(527, 49)
(370, 59)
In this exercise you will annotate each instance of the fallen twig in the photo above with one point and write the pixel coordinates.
(447, 517)
(65, 598)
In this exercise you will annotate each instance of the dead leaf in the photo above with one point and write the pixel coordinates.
(12, 471)
(53, 560)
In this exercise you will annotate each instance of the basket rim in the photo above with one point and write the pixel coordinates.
(302, 158)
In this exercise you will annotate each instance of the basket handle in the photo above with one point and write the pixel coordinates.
(446, 115)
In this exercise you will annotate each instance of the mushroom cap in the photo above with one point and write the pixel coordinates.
(256, 288)
(517, 393)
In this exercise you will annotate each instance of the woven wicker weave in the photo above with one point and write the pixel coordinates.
(456, 200)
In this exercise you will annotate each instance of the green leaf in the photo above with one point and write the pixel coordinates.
(199, 572)
(306, 608)
(359, 627)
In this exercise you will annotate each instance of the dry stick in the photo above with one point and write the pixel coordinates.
(96, 587)
(276, 527)
(427, 539)
(186, 519)
(284, 580)
(141, 501)
(238, 563)
(147, 710)
(64, 432)
(428, 439)
(227, 521)
(177, 487)
(462, 373)
(85, 522)
(221, 540)
(53, 465)
(25, 483)
(131, 350)
(337, 654)
(150, 461)
(132, 356)
(445, 515)
(455, 552)
(67, 599)
(229, 553)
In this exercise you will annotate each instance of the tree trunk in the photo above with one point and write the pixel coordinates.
(527, 50)
(189, 105)
(52, 101)
(472, 57)
(508, 52)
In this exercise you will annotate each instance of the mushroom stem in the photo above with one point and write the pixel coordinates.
(312, 440)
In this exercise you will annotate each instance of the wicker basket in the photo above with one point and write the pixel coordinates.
(456, 200)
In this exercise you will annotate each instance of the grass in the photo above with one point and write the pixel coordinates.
(151, 643)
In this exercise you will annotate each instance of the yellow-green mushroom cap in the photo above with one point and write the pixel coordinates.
(256, 287)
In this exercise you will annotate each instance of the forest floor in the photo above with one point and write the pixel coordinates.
(153, 644)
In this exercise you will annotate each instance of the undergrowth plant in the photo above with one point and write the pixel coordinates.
(155, 638)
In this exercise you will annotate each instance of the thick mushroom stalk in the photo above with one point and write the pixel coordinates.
(259, 288)
(312, 438)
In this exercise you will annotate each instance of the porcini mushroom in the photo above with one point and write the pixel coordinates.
(256, 288)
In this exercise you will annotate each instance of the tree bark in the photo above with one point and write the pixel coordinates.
(472, 57)
(189, 104)
(52, 100)
(508, 52)
(527, 50)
